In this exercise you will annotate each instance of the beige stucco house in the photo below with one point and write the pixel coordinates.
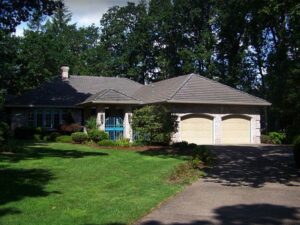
(207, 111)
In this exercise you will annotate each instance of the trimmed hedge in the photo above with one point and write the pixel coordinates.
(79, 137)
(97, 135)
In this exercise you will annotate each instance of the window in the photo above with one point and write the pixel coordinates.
(45, 118)
(56, 120)
(39, 119)
(48, 121)
(30, 119)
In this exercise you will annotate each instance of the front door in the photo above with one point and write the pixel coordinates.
(114, 124)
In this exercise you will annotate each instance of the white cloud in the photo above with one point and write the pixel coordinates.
(85, 12)
(90, 11)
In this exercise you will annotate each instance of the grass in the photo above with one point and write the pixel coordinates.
(59, 183)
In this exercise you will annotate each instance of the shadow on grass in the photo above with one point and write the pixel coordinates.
(9, 211)
(37, 151)
(16, 184)
(254, 214)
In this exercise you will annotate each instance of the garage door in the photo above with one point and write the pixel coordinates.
(235, 130)
(197, 129)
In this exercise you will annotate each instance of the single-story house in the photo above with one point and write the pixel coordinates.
(207, 111)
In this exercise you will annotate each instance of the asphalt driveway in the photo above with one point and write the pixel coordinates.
(255, 185)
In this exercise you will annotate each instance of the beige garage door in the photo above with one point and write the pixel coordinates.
(197, 129)
(235, 130)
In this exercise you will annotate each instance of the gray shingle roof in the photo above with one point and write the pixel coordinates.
(91, 89)
(194, 88)
(111, 96)
(73, 91)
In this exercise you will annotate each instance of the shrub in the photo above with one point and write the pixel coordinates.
(183, 145)
(296, 150)
(123, 143)
(4, 132)
(79, 137)
(185, 173)
(153, 124)
(91, 123)
(70, 128)
(277, 137)
(37, 137)
(97, 135)
(64, 139)
(203, 154)
(107, 143)
(265, 139)
(53, 136)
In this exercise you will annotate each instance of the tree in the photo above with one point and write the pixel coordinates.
(13, 12)
(153, 124)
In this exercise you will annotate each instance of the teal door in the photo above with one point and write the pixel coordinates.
(114, 127)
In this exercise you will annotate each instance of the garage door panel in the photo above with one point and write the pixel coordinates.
(236, 130)
(197, 129)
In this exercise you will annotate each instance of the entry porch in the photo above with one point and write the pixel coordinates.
(113, 119)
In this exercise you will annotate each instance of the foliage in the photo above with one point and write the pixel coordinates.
(64, 139)
(123, 142)
(39, 169)
(97, 135)
(277, 137)
(266, 139)
(91, 123)
(4, 132)
(79, 137)
(107, 143)
(250, 46)
(70, 128)
(203, 154)
(296, 150)
(185, 173)
(181, 145)
(154, 124)
(17, 11)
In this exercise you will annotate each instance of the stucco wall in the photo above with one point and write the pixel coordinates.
(217, 112)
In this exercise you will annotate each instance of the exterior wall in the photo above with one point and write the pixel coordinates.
(218, 112)
(19, 116)
(127, 132)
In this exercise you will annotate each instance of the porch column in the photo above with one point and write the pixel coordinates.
(217, 129)
(100, 117)
(127, 124)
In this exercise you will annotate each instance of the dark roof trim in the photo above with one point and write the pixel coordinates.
(111, 102)
(42, 106)
(220, 103)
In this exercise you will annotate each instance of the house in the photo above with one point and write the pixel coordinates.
(207, 112)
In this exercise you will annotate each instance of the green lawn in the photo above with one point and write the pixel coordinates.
(71, 184)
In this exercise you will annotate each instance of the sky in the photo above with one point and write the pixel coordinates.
(86, 12)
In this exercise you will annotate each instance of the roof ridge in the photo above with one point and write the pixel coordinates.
(180, 86)
(111, 89)
(104, 92)
(235, 89)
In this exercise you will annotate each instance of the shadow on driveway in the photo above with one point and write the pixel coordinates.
(255, 214)
(253, 166)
